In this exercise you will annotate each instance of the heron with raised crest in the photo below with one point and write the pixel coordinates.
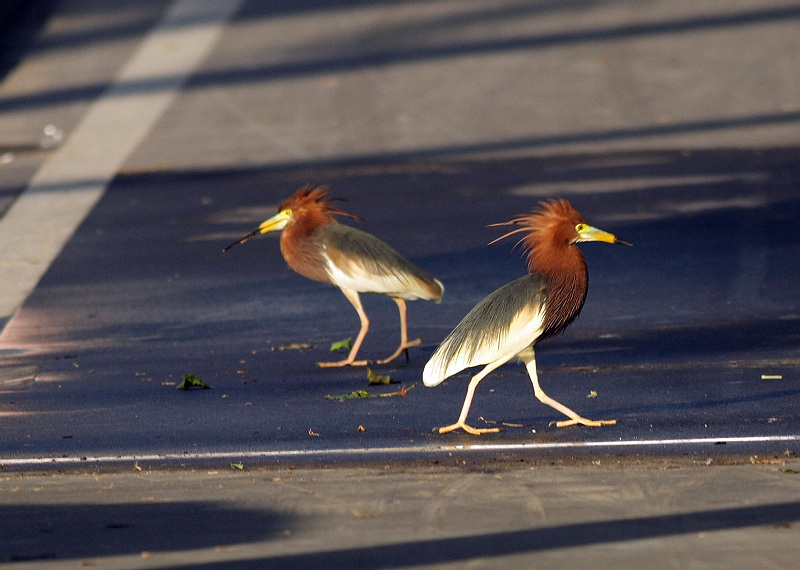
(318, 247)
(509, 322)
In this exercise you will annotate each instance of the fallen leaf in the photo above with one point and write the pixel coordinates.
(592, 394)
(790, 471)
(192, 381)
(342, 344)
(355, 395)
(239, 465)
(376, 379)
(361, 428)
(312, 432)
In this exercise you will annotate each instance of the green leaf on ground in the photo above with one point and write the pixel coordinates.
(351, 396)
(376, 379)
(192, 381)
(342, 344)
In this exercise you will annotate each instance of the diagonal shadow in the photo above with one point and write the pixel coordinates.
(20, 22)
(416, 54)
(461, 549)
(60, 532)
(340, 62)
(135, 26)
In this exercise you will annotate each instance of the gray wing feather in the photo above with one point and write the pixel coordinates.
(500, 326)
(348, 246)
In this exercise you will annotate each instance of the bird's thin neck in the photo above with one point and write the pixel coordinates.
(301, 251)
(564, 270)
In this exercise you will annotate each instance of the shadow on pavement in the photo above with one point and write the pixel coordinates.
(60, 532)
(447, 550)
(104, 530)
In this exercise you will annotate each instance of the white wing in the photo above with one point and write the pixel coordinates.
(495, 330)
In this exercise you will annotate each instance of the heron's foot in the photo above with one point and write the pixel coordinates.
(345, 362)
(401, 349)
(584, 422)
(466, 428)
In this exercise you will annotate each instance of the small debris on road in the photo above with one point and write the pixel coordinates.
(192, 381)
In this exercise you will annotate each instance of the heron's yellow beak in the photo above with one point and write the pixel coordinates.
(591, 233)
(276, 222)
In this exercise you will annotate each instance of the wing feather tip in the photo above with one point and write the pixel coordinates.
(429, 377)
(437, 297)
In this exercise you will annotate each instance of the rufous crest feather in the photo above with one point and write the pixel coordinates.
(554, 219)
(309, 197)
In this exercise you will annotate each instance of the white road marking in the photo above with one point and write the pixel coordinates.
(362, 452)
(66, 188)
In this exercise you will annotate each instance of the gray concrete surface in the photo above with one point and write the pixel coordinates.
(673, 124)
(603, 514)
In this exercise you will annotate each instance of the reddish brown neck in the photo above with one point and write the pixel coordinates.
(564, 270)
(301, 252)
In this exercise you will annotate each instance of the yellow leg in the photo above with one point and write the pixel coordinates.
(529, 358)
(462, 419)
(354, 299)
(405, 344)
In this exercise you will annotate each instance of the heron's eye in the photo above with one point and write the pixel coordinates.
(580, 228)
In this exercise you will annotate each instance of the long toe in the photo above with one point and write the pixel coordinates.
(479, 431)
(400, 349)
(466, 428)
(584, 422)
(345, 362)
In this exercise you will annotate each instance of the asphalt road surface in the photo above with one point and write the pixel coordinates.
(689, 335)
(137, 141)
(681, 338)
